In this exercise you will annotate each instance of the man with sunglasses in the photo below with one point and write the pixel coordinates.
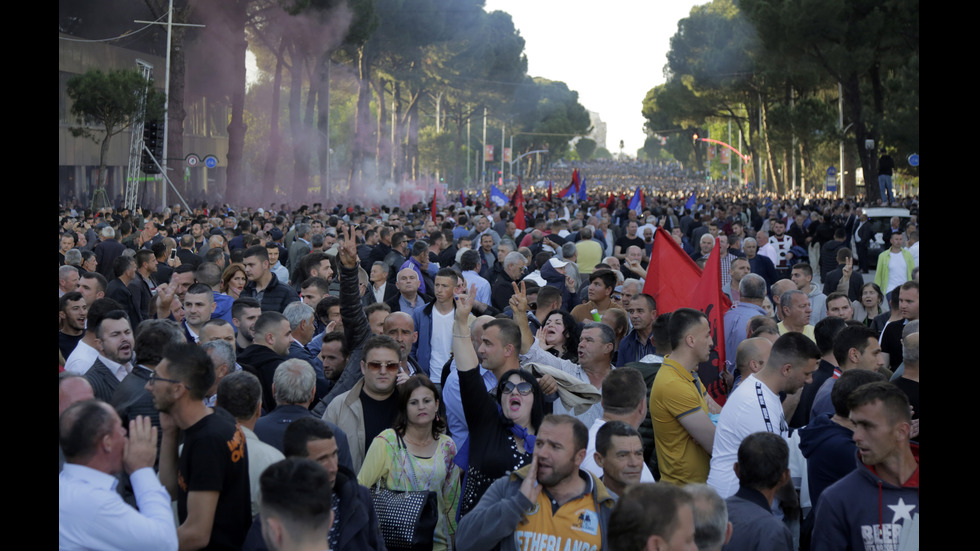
(372, 404)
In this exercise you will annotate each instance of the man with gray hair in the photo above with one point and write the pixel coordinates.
(752, 291)
(293, 385)
(760, 264)
(240, 394)
(222, 354)
(795, 310)
(107, 251)
(301, 317)
(67, 280)
(502, 289)
(711, 527)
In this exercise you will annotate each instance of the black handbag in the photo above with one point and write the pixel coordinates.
(407, 518)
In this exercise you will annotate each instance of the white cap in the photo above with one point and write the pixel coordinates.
(557, 262)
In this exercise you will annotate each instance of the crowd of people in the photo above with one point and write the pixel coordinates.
(296, 378)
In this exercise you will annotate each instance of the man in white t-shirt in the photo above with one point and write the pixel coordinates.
(754, 406)
(434, 324)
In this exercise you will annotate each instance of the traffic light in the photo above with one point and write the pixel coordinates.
(153, 140)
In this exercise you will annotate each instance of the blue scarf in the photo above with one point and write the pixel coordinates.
(462, 458)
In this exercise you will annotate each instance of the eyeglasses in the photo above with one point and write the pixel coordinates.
(378, 366)
(523, 388)
(154, 378)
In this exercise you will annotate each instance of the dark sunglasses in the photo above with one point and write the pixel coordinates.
(523, 388)
(378, 366)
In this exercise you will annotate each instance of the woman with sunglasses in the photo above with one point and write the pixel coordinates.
(417, 455)
(502, 426)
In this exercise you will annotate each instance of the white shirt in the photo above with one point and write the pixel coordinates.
(260, 456)
(742, 416)
(117, 369)
(379, 293)
(92, 515)
(81, 358)
(589, 463)
(897, 270)
(441, 343)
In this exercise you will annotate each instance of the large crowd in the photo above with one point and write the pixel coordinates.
(447, 376)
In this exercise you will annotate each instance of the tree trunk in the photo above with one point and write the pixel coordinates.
(295, 124)
(362, 124)
(398, 153)
(852, 103)
(275, 139)
(412, 139)
(384, 155)
(303, 179)
(323, 125)
(774, 183)
(237, 126)
(175, 107)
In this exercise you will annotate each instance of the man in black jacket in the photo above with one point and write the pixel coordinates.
(269, 348)
(355, 524)
(263, 285)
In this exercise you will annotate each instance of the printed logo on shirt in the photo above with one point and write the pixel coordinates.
(237, 444)
(588, 522)
(888, 537)
(534, 541)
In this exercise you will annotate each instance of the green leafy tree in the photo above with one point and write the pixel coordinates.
(585, 148)
(106, 104)
(865, 46)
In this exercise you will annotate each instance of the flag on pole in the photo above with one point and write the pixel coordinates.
(433, 207)
(690, 202)
(636, 203)
(497, 197)
(572, 187)
(519, 218)
(671, 274)
(709, 298)
(581, 191)
(549, 191)
(513, 197)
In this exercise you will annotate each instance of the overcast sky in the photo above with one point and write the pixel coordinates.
(611, 56)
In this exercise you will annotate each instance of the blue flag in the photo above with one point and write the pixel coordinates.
(581, 191)
(497, 197)
(636, 203)
(690, 202)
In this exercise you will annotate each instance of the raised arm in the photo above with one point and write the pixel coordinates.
(518, 303)
(356, 327)
(463, 352)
